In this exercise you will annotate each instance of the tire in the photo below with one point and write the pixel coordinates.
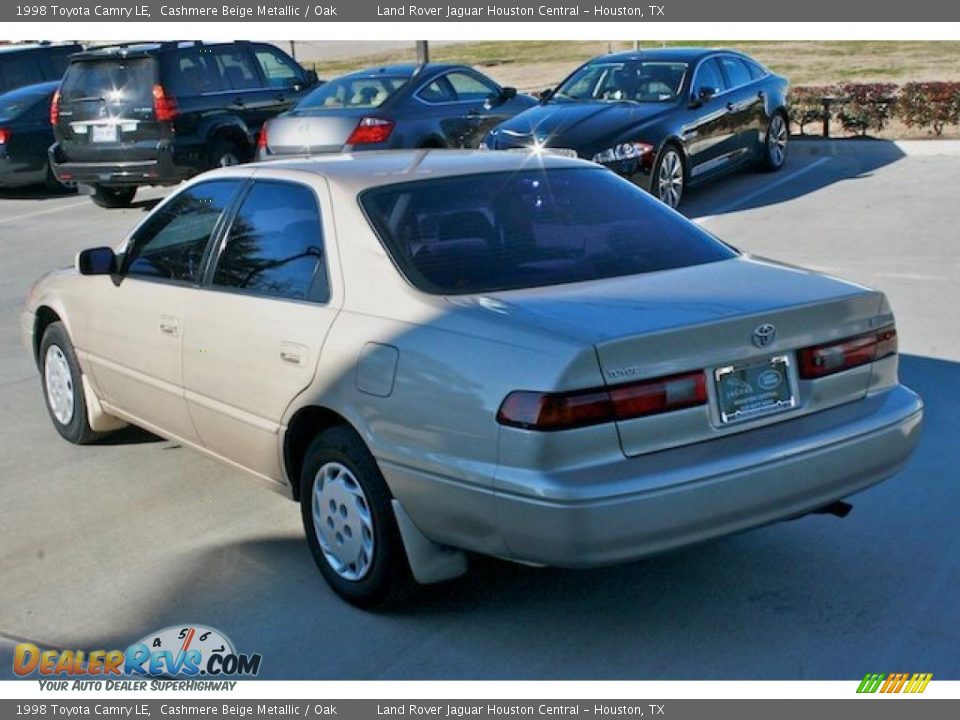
(225, 153)
(349, 521)
(113, 197)
(62, 386)
(775, 143)
(669, 177)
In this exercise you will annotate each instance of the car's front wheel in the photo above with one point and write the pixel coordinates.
(668, 177)
(113, 197)
(775, 147)
(63, 386)
(349, 521)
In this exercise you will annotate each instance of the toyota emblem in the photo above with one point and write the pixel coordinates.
(764, 335)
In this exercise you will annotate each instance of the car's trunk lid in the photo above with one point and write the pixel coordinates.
(106, 110)
(704, 318)
(312, 131)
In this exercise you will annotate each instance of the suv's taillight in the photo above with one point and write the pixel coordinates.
(55, 107)
(564, 411)
(371, 130)
(4, 136)
(164, 106)
(834, 357)
(262, 138)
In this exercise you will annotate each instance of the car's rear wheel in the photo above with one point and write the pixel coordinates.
(225, 153)
(669, 177)
(113, 197)
(775, 147)
(63, 386)
(349, 521)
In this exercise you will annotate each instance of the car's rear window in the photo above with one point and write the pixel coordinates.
(502, 231)
(353, 92)
(115, 81)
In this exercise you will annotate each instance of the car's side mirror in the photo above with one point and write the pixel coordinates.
(312, 78)
(507, 94)
(704, 93)
(97, 261)
(546, 94)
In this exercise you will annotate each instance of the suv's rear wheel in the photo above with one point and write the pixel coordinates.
(349, 521)
(113, 197)
(225, 153)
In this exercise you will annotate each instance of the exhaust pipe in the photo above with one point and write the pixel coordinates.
(838, 509)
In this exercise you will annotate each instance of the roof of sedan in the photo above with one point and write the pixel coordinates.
(405, 69)
(679, 54)
(362, 170)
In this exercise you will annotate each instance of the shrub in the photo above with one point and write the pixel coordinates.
(806, 103)
(930, 104)
(867, 106)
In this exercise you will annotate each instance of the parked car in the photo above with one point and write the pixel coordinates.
(25, 135)
(396, 106)
(33, 63)
(666, 119)
(529, 359)
(158, 113)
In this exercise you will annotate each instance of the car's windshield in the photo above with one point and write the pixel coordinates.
(532, 228)
(353, 92)
(647, 81)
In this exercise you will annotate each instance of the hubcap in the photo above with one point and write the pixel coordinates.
(59, 384)
(777, 141)
(670, 179)
(228, 160)
(342, 521)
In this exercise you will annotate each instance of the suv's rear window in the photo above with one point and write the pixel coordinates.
(501, 231)
(115, 81)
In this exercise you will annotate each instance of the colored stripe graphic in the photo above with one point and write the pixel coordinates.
(894, 683)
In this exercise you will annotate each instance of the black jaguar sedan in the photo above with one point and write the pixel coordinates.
(667, 118)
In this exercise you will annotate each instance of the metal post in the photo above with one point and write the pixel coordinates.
(293, 49)
(423, 52)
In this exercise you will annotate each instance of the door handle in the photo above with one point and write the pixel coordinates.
(730, 106)
(293, 353)
(238, 102)
(169, 325)
(761, 94)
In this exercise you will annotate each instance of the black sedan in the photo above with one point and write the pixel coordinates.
(667, 118)
(25, 135)
(395, 106)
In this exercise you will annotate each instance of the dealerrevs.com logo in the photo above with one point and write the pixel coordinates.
(184, 651)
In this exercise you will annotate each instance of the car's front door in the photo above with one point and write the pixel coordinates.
(254, 334)
(708, 132)
(136, 324)
(745, 103)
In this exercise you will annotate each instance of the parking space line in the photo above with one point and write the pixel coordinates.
(42, 212)
(744, 199)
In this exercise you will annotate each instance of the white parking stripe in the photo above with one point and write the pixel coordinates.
(744, 199)
(43, 212)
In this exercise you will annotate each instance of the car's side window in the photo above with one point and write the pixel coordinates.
(468, 86)
(708, 75)
(279, 71)
(438, 91)
(275, 245)
(736, 71)
(171, 244)
(237, 70)
(756, 72)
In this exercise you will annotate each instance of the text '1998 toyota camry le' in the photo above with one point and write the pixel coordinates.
(438, 352)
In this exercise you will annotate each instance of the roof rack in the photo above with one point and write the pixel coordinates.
(163, 44)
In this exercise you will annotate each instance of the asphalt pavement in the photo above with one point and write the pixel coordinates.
(100, 545)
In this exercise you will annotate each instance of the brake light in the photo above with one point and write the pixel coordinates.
(371, 130)
(5, 134)
(165, 106)
(262, 138)
(55, 107)
(564, 411)
(830, 358)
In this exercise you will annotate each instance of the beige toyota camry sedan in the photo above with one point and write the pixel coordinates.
(443, 352)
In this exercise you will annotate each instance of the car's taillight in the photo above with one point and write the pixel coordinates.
(834, 357)
(564, 411)
(371, 130)
(55, 107)
(5, 136)
(165, 106)
(262, 138)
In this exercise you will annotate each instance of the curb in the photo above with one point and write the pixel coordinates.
(840, 147)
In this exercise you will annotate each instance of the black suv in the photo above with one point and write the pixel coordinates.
(158, 113)
(22, 65)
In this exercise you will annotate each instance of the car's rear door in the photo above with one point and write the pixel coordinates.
(253, 336)
(135, 326)
(106, 110)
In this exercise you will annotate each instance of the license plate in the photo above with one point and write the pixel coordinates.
(103, 133)
(751, 390)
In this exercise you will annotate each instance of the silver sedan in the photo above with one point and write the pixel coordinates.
(441, 352)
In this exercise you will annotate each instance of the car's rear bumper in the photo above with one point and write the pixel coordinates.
(688, 495)
(161, 170)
